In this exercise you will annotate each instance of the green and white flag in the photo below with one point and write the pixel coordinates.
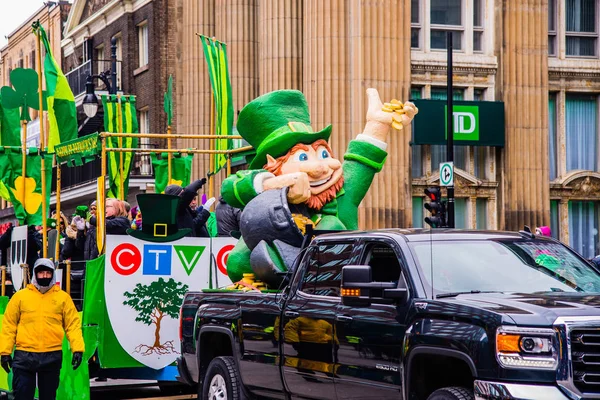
(62, 113)
(25, 195)
(130, 125)
(181, 170)
(215, 53)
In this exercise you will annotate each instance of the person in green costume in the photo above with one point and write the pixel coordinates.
(289, 154)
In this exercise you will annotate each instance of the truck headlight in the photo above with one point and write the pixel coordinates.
(527, 348)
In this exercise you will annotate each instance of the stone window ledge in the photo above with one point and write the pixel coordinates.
(141, 69)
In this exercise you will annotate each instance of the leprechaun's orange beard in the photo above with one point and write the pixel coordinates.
(318, 201)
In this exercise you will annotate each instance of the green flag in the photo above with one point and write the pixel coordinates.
(27, 203)
(169, 101)
(216, 57)
(130, 125)
(181, 170)
(10, 126)
(62, 113)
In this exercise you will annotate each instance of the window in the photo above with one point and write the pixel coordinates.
(583, 227)
(143, 43)
(481, 213)
(446, 15)
(417, 212)
(417, 150)
(99, 58)
(460, 213)
(119, 60)
(32, 59)
(554, 224)
(581, 114)
(582, 35)
(384, 263)
(145, 161)
(552, 136)
(516, 265)
(477, 25)
(324, 273)
(551, 27)
(415, 24)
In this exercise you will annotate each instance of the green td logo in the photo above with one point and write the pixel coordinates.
(466, 122)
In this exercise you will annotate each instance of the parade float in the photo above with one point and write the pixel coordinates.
(134, 289)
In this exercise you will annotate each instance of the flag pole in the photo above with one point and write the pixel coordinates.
(120, 129)
(170, 155)
(58, 216)
(24, 161)
(211, 178)
(42, 148)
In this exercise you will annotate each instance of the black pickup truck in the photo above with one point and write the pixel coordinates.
(405, 314)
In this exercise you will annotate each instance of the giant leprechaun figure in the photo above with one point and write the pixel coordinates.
(295, 179)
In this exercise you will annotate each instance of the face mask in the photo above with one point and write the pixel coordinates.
(43, 281)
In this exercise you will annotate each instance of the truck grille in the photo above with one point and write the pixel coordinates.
(585, 355)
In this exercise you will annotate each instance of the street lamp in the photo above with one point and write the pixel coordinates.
(90, 101)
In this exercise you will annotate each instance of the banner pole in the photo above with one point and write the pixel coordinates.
(211, 158)
(58, 216)
(120, 128)
(24, 164)
(170, 155)
(3, 268)
(42, 148)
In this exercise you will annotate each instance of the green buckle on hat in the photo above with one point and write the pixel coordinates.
(299, 127)
(158, 225)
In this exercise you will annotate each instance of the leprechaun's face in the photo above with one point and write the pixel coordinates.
(323, 170)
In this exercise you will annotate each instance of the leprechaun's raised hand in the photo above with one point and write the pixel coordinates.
(380, 117)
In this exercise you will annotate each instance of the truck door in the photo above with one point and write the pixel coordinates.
(370, 338)
(308, 322)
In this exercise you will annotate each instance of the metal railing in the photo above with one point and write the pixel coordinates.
(78, 76)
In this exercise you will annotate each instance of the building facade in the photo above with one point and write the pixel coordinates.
(145, 53)
(540, 58)
(21, 52)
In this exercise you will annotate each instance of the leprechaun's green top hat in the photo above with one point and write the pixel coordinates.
(159, 218)
(275, 122)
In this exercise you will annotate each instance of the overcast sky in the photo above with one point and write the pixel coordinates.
(14, 13)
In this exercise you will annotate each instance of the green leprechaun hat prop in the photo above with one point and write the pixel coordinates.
(275, 122)
(159, 218)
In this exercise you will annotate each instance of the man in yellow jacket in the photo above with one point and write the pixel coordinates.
(36, 319)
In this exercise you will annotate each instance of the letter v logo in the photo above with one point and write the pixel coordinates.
(189, 256)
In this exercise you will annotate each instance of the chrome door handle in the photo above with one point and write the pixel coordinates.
(291, 314)
(343, 318)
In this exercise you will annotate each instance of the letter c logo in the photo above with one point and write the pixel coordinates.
(126, 259)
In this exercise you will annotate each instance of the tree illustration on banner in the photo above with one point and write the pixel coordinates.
(154, 302)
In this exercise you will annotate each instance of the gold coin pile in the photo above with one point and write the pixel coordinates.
(397, 108)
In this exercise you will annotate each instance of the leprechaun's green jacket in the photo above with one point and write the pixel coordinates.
(361, 162)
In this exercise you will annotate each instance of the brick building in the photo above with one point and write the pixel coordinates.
(145, 55)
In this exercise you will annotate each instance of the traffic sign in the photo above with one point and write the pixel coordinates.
(447, 174)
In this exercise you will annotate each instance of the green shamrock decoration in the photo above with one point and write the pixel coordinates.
(25, 93)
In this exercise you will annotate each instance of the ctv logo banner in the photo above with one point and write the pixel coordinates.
(144, 286)
(465, 121)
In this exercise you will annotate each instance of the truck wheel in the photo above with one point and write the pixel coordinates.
(222, 381)
(452, 393)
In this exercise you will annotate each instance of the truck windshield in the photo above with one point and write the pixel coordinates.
(513, 265)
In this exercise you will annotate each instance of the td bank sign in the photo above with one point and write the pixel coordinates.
(475, 123)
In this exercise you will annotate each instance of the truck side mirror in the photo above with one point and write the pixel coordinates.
(354, 288)
(358, 289)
